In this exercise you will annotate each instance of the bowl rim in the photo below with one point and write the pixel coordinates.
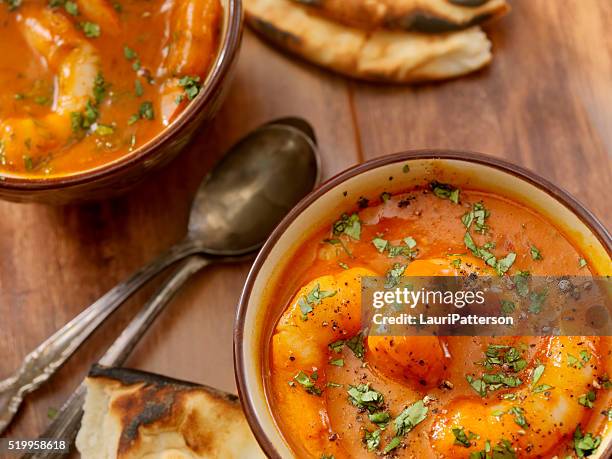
(228, 49)
(556, 192)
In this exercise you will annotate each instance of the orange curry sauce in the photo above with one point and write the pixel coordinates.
(85, 82)
(308, 382)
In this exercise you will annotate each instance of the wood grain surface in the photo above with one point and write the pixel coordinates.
(544, 103)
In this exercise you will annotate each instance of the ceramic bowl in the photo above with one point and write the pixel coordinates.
(120, 175)
(256, 319)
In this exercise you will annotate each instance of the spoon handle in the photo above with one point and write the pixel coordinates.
(48, 357)
(66, 425)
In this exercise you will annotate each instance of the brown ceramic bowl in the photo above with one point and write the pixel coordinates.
(257, 317)
(121, 174)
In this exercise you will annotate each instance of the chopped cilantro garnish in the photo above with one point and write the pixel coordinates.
(461, 437)
(349, 225)
(105, 130)
(337, 362)
(191, 85)
(308, 382)
(507, 307)
(129, 53)
(537, 374)
(406, 250)
(365, 398)
(13, 4)
(585, 444)
(542, 388)
(476, 216)
(501, 354)
(445, 191)
(313, 298)
(83, 121)
(478, 385)
(519, 416)
(587, 399)
(535, 253)
(582, 263)
(372, 439)
(410, 418)
(505, 263)
(393, 275)
(536, 301)
(496, 381)
(573, 362)
(71, 8)
(90, 29)
(28, 163)
(501, 266)
(138, 89)
(394, 443)
(521, 280)
(355, 344)
(380, 418)
(146, 111)
(380, 244)
(336, 346)
(316, 295)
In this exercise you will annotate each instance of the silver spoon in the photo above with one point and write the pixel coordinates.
(237, 205)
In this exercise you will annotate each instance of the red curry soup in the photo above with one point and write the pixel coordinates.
(85, 82)
(337, 395)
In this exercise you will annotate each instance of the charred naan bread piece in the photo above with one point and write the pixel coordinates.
(389, 56)
(426, 16)
(130, 414)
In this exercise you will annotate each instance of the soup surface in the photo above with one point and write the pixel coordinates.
(85, 82)
(337, 395)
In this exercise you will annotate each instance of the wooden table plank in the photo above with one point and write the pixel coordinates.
(546, 103)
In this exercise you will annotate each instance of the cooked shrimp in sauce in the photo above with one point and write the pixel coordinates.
(339, 394)
(86, 82)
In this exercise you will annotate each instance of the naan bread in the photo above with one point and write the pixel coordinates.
(427, 16)
(380, 56)
(130, 414)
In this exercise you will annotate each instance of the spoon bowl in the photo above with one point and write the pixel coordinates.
(252, 189)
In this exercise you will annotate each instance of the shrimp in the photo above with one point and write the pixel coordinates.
(300, 345)
(418, 358)
(76, 64)
(193, 39)
(102, 13)
(535, 421)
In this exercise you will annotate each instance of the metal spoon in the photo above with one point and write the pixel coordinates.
(237, 205)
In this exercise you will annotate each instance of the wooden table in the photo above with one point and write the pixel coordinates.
(544, 103)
